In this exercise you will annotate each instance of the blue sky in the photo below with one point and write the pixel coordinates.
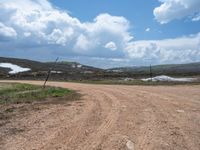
(101, 33)
(138, 12)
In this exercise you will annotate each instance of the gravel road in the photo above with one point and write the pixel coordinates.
(112, 117)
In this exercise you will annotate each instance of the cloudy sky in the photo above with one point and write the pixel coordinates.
(106, 33)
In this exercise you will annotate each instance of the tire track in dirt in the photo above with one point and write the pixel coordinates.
(70, 133)
(170, 110)
(96, 137)
(77, 129)
(148, 128)
(74, 132)
(108, 107)
(165, 108)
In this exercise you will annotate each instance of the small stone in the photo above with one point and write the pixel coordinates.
(86, 132)
(130, 145)
(180, 111)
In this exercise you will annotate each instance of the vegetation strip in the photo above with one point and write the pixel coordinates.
(25, 93)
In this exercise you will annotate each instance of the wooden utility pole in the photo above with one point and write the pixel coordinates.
(150, 72)
(150, 67)
(49, 73)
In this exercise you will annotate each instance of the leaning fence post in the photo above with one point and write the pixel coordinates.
(49, 72)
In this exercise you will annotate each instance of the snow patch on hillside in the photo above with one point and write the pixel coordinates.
(167, 78)
(14, 68)
(56, 72)
(79, 66)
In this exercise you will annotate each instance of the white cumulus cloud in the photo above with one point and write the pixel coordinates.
(177, 9)
(147, 29)
(6, 31)
(182, 49)
(27, 34)
(40, 24)
(82, 43)
(111, 45)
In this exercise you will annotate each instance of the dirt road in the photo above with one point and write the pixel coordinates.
(113, 117)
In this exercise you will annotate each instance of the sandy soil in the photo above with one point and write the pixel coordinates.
(112, 117)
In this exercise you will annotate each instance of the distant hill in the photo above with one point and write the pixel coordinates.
(61, 70)
(44, 66)
(172, 69)
(75, 71)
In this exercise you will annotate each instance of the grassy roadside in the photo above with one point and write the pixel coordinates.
(26, 93)
(17, 100)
